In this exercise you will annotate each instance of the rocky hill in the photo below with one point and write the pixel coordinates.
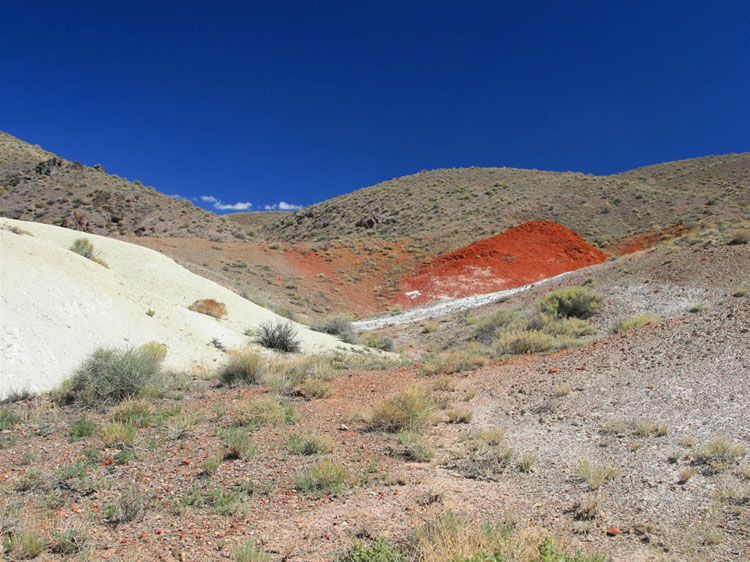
(39, 186)
(450, 208)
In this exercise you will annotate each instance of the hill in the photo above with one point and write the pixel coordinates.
(449, 208)
(36, 185)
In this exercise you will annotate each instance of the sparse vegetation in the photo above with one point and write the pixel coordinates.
(263, 411)
(572, 302)
(324, 478)
(717, 455)
(339, 326)
(84, 247)
(412, 409)
(281, 336)
(244, 367)
(310, 443)
(635, 322)
(593, 474)
(110, 375)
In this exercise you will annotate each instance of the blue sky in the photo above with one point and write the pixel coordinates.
(251, 104)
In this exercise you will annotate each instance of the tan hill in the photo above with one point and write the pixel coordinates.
(38, 186)
(450, 208)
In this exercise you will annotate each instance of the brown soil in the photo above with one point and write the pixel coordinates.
(530, 252)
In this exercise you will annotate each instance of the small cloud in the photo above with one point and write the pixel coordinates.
(178, 196)
(217, 204)
(283, 206)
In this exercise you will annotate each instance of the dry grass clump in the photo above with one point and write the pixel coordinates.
(718, 455)
(110, 375)
(210, 307)
(416, 447)
(519, 342)
(84, 247)
(412, 409)
(740, 237)
(327, 477)
(572, 302)
(451, 362)
(245, 367)
(118, 435)
(138, 413)
(594, 475)
(250, 551)
(635, 322)
(263, 411)
(312, 443)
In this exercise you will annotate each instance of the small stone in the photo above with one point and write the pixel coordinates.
(613, 531)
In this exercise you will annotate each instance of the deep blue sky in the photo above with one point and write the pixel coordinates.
(302, 101)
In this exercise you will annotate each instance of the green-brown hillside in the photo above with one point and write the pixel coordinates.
(39, 186)
(449, 208)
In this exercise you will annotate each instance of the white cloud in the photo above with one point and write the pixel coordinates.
(283, 206)
(239, 206)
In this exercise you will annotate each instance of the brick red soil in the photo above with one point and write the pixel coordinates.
(521, 255)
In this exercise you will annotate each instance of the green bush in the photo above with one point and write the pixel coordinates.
(635, 322)
(378, 550)
(325, 477)
(281, 336)
(337, 326)
(487, 328)
(572, 302)
(245, 367)
(83, 247)
(412, 409)
(518, 342)
(110, 375)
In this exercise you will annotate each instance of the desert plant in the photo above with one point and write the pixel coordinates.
(451, 362)
(81, 427)
(519, 342)
(593, 474)
(378, 550)
(416, 447)
(310, 444)
(572, 302)
(315, 388)
(378, 342)
(134, 412)
(250, 551)
(68, 541)
(83, 247)
(237, 444)
(281, 336)
(28, 543)
(527, 462)
(130, 506)
(118, 434)
(245, 367)
(740, 237)
(717, 455)
(210, 307)
(459, 415)
(263, 411)
(412, 409)
(635, 322)
(338, 326)
(324, 478)
(211, 464)
(8, 417)
(110, 375)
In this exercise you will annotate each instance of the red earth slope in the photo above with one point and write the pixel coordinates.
(524, 254)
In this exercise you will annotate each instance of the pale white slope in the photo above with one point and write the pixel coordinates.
(56, 307)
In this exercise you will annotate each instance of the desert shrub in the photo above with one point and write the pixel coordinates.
(315, 388)
(244, 367)
(635, 322)
(85, 248)
(323, 478)
(378, 342)
(412, 409)
(518, 342)
(68, 541)
(740, 237)
(130, 506)
(310, 444)
(250, 551)
(378, 550)
(237, 443)
(281, 336)
(110, 375)
(8, 417)
(416, 447)
(134, 412)
(566, 327)
(717, 455)
(593, 474)
(572, 302)
(450, 362)
(155, 349)
(486, 329)
(118, 434)
(81, 427)
(210, 307)
(337, 326)
(263, 411)
(459, 415)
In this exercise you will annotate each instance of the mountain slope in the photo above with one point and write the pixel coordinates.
(450, 208)
(37, 185)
